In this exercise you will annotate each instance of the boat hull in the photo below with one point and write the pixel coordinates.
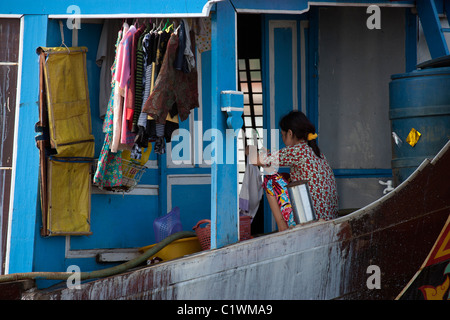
(369, 254)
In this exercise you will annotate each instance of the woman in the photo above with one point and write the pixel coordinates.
(306, 162)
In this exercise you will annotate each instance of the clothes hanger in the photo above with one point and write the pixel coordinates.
(125, 25)
(165, 26)
(150, 26)
(160, 25)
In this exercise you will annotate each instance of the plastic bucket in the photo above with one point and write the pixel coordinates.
(176, 249)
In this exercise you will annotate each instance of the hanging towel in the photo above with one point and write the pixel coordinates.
(251, 191)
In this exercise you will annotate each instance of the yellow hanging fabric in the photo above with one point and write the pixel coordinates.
(66, 209)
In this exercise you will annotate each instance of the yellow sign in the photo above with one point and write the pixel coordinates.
(413, 137)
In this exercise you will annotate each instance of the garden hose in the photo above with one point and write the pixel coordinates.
(99, 273)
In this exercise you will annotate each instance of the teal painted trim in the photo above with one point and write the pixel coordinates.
(300, 6)
(411, 27)
(162, 8)
(60, 7)
(24, 214)
(271, 6)
(224, 178)
(362, 173)
(432, 28)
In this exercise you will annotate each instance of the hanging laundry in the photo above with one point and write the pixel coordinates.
(203, 34)
(251, 191)
(163, 39)
(180, 58)
(172, 86)
(131, 88)
(109, 168)
(106, 54)
(146, 127)
(125, 76)
(155, 46)
(123, 138)
(117, 96)
(149, 91)
(189, 60)
(139, 78)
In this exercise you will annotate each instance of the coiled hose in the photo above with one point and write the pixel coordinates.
(100, 273)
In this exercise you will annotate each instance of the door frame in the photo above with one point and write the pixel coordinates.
(304, 76)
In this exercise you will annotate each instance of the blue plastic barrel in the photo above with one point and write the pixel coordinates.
(421, 100)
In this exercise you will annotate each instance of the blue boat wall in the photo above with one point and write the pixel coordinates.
(351, 67)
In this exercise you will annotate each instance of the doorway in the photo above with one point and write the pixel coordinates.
(273, 75)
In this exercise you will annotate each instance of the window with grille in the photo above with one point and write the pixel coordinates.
(250, 83)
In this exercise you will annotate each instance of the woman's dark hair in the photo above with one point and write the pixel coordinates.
(301, 127)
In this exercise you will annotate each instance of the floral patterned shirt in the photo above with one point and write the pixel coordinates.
(305, 165)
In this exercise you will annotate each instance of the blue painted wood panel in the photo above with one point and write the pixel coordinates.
(119, 221)
(24, 219)
(224, 196)
(194, 203)
(167, 7)
(283, 69)
(271, 6)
